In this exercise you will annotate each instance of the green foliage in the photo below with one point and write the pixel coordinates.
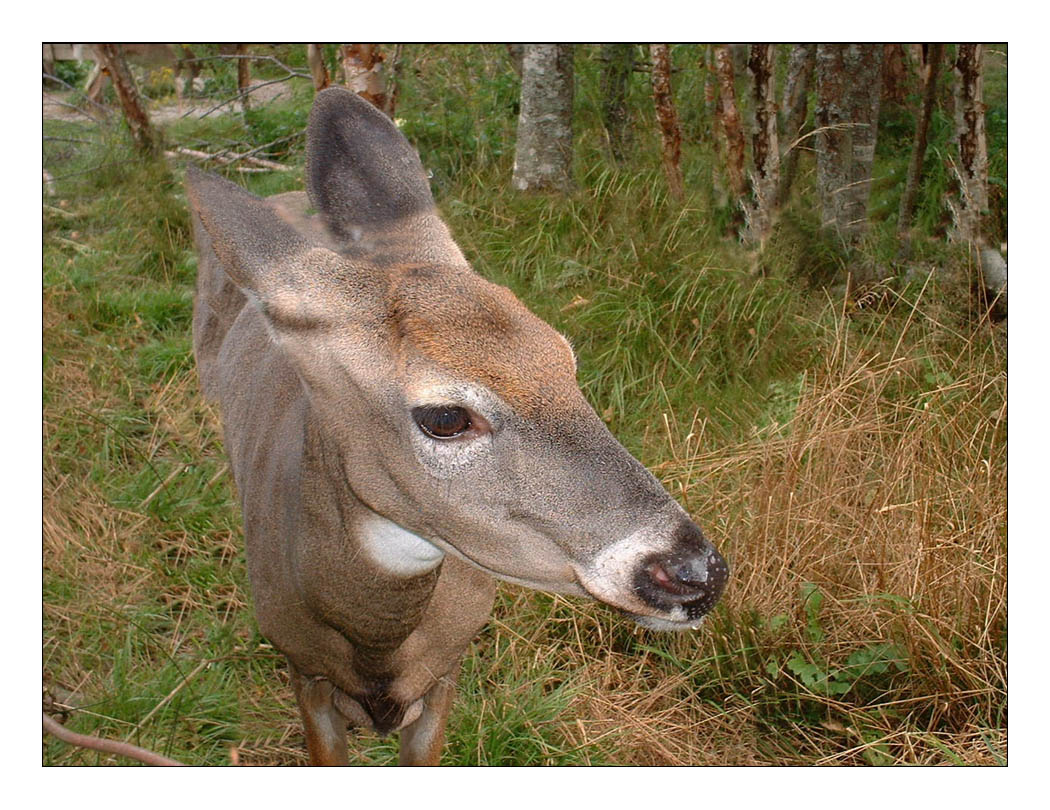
(72, 72)
(858, 672)
(265, 126)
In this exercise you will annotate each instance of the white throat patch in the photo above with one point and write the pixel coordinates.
(395, 550)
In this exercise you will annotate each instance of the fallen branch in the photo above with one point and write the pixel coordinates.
(123, 749)
(225, 158)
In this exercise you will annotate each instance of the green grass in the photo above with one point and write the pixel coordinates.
(848, 459)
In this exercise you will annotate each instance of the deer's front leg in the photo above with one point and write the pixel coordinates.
(325, 726)
(423, 739)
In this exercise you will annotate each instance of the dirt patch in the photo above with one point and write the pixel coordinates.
(59, 105)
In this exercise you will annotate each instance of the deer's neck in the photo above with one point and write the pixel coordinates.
(358, 572)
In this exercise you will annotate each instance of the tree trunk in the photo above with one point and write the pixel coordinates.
(543, 154)
(363, 71)
(244, 78)
(112, 57)
(729, 120)
(667, 117)
(795, 107)
(894, 76)
(617, 64)
(918, 150)
(318, 69)
(972, 168)
(848, 91)
(765, 152)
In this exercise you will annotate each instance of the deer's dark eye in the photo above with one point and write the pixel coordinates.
(442, 421)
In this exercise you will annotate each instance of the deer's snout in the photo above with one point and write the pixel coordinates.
(691, 576)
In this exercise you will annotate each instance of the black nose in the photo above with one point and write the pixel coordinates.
(691, 575)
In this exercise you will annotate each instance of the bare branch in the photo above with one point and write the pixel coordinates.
(123, 749)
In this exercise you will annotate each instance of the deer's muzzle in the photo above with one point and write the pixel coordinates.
(690, 577)
(666, 580)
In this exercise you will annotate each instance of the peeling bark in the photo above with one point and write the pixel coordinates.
(848, 92)
(765, 151)
(667, 118)
(972, 168)
(363, 71)
(795, 108)
(318, 69)
(543, 153)
(111, 56)
(617, 64)
(729, 119)
(918, 152)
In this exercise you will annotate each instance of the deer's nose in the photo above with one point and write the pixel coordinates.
(692, 575)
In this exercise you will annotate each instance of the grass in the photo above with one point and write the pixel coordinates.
(848, 457)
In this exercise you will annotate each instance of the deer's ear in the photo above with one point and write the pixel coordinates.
(258, 250)
(361, 172)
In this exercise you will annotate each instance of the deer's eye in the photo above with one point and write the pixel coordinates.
(442, 421)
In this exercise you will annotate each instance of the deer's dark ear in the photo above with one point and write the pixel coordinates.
(361, 173)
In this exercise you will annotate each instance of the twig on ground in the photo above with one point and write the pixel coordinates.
(123, 749)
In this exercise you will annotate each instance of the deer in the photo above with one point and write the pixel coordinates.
(402, 433)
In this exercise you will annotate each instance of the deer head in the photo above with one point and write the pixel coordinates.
(453, 412)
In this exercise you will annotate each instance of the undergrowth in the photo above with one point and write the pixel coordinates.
(849, 461)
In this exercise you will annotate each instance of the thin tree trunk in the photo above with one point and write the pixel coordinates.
(318, 69)
(894, 75)
(729, 116)
(848, 93)
(667, 117)
(918, 151)
(712, 110)
(617, 64)
(543, 153)
(112, 57)
(972, 168)
(363, 71)
(244, 78)
(765, 152)
(795, 107)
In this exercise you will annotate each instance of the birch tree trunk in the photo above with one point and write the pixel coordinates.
(318, 69)
(363, 72)
(617, 64)
(972, 169)
(667, 118)
(795, 107)
(729, 116)
(543, 153)
(765, 152)
(918, 151)
(849, 87)
(112, 57)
